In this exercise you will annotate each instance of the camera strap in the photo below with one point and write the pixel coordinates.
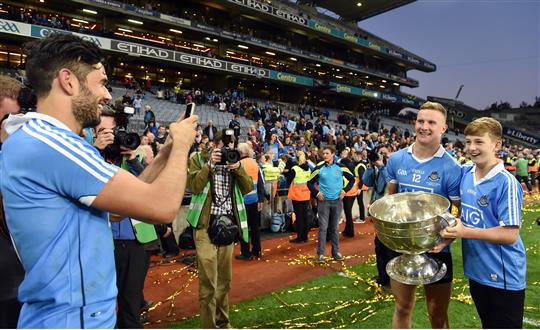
(221, 202)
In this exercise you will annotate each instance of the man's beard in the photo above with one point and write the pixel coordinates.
(84, 107)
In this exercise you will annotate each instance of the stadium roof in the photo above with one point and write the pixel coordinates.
(349, 10)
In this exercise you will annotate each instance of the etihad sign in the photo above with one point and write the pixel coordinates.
(259, 6)
(142, 50)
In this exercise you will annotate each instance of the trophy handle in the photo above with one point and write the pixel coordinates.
(449, 219)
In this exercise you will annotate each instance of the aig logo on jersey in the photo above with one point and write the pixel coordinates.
(402, 172)
(483, 201)
(434, 176)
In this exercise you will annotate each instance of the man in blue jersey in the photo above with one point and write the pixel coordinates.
(57, 189)
(425, 166)
(330, 193)
(493, 253)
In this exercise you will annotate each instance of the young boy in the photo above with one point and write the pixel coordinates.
(493, 253)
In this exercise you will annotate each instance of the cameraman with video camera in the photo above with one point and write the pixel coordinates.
(217, 182)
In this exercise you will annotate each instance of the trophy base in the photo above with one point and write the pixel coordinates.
(415, 269)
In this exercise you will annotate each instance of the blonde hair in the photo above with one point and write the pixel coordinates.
(245, 150)
(301, 157)
(483, 125)
(10, 88)
(434, 106)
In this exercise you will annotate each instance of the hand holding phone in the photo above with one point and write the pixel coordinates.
(190, 110)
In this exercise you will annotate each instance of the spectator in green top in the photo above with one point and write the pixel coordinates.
(522, 171)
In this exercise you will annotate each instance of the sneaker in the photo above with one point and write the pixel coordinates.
(338, 257)
(146, 306)
(320, 258)
(297, 241)
(242, 257)
(386, 288)
(358, 220)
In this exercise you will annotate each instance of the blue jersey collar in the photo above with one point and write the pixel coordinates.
(14, 122)
(493, 172)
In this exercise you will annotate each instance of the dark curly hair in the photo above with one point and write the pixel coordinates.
(45, 57)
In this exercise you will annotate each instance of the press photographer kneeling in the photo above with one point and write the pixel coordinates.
(217, 182)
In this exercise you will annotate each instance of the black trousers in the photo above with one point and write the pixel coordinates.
(348, 202)
(498, 308)
(9, 313)
(302, 223)
(383, 255)
(360, 199)
(131, 268)
(254, 224)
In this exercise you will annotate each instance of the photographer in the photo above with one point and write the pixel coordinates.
(130, 257)
(217, 182)
(70, 277)
(375, 177)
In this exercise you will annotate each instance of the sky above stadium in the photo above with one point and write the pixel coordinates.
(490, 47)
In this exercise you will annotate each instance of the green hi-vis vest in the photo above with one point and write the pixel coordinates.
(197, 203)
(144, 232)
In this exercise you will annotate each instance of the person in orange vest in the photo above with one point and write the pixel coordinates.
(253, 202)
(509, 163)
(532, 167)
(350, 166)
(300, 195)
(359, 169)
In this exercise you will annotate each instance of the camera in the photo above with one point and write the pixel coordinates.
(228, 155)
(127, 140)
(130, 141)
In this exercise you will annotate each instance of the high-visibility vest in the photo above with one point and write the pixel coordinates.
(359, 177)
(508, 163)
(299, 190)
(354, 190)
(271, 173)
(533, 165)
(252, 169)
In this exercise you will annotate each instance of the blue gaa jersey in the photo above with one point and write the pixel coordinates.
(440, 174)
(49, 178)
(330, 179)
(493, 201)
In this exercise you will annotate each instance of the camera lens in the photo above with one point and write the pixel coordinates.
(233, 156)
(132, 141)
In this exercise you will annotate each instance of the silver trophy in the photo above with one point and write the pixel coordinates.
(410, 223)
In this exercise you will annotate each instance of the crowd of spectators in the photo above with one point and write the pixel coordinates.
(286, 38)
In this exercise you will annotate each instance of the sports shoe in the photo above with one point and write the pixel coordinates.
(297, 240)
(358, 220)
(320, 258)
(338, 257)
(242, 257)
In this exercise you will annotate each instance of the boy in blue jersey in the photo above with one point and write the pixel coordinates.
(57, 189)
(493, 253)
(425, 166)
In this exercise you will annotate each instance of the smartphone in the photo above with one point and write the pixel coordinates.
(190, 110)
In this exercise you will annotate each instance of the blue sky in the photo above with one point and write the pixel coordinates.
(490, 47)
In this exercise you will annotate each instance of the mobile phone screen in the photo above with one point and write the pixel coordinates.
(190, 109)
